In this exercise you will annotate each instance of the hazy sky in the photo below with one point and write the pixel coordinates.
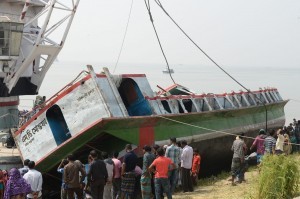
(233, 32)
(236, 34)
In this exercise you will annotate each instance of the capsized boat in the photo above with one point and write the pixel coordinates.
(105, 111)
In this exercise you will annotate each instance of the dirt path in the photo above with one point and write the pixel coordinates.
(222, 189)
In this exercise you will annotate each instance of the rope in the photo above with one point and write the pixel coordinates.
(212, 130)
(211, 59)
(160, 45)
(124, 36)
(199, 127)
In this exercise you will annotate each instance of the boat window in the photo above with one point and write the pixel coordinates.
(198, 104)
(203, 105)
(180, 108)
(279, 96)
(250, 100)
(58, 124)
(166, 106)
(242, 100)
(210, 102)
(194, 105)
(227, 104)
(261, 98)
(268, 98)
(188, 105)
(272, 97)
(127, 92)
(222, 101)
(235, 103)
(215, 104)
(133, 99)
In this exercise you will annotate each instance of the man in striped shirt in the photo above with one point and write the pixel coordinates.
(270, 143)
(238, 147)
(173, 153)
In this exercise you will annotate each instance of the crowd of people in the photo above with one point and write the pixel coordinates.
(285, 141)
(21, 183)
(164, 168)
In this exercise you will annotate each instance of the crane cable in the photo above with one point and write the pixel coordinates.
(147, 3)
(121, 49)
(209, 129)
(212, 60)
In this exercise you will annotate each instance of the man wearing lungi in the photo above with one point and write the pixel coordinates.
(146, 177)
(128, 174)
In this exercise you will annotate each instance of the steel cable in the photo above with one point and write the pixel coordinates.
(121, 49)
(160, 45)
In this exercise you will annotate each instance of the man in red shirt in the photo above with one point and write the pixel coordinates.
(161, 165)
(196, 166)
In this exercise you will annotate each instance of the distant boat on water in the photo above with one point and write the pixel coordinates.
(168, 71)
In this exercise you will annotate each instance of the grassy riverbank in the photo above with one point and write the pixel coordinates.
(220, 186)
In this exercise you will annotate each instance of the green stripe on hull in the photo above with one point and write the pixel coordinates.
(220, 120)
(127, 130)
(131, 135)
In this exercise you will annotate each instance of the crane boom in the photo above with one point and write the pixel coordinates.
(46, 26)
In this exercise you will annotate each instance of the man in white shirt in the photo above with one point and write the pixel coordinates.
(25, 168)
(279, 142)
(34, 178)
(110, 166)
(186, 165)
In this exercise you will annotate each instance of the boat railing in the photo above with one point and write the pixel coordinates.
(174, 104)
(30, 114)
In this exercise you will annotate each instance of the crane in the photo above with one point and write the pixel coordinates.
(32, 34)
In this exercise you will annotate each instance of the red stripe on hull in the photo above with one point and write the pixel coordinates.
(146, 136)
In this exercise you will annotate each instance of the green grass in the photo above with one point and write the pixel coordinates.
(279, 177)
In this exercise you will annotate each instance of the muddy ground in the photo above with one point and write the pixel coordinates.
(222, 188)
